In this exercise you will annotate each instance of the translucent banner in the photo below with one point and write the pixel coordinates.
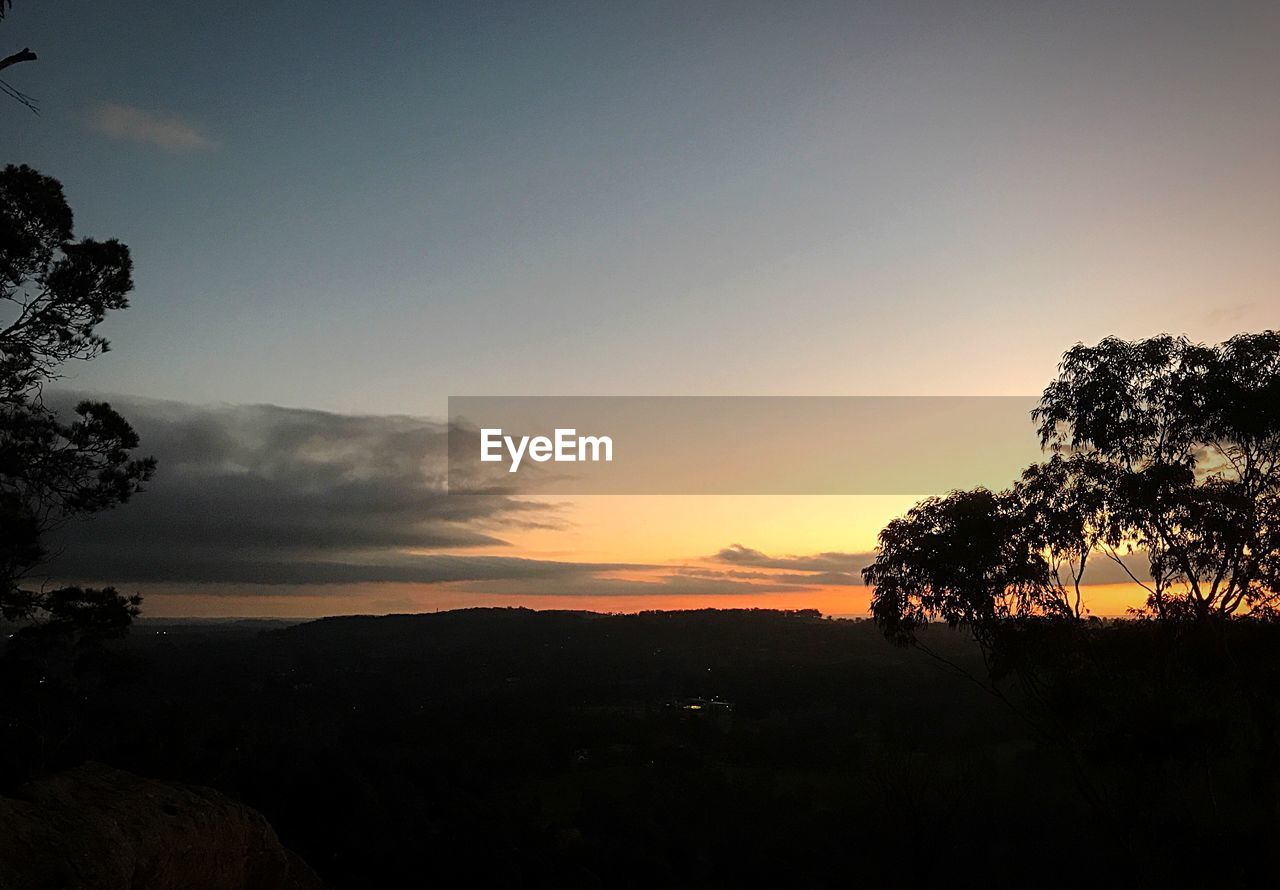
(737, 444)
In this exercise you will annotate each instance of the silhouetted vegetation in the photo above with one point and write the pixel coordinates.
(54, 292)
(1163, 448)
(519, 748)
(1166, 465)
(23, 55)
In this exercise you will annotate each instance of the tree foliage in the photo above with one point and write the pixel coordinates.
(54, 292)
(967, 559)
(1161, 447)
(1191, 437)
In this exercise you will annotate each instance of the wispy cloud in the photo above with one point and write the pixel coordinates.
(1229, 313)
(164, 131)
(844, 563)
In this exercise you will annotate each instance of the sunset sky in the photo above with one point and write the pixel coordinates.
(342, 216)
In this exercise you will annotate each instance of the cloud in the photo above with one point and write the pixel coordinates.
(845, 569)
(591, 579)
(830, 569)
(551, 576)
(841, 563)
(164, 131)
(788, 579)
(1103, 569)
(262, 494)
(297, 501)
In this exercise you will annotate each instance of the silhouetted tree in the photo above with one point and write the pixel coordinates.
(969, 559)
(55, 291)
(1067, 510)
(1161, 446)
(1189, 436)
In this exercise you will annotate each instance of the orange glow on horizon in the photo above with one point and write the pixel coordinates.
(1101, 600)
(668, 543)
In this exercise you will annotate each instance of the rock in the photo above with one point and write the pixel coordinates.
(105, 829)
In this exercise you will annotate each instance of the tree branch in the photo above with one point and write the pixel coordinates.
(26, 55)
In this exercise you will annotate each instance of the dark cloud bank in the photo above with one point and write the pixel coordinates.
(268, 495)
(263, 495)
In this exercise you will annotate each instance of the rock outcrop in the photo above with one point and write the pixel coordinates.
(105, 829)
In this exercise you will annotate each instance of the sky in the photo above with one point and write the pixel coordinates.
(345, 215)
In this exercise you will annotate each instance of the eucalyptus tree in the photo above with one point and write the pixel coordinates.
(967, 559)
(1161, 448)
(1189, 435)
(54, 292)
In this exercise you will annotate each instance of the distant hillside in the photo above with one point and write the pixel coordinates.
(511, 747)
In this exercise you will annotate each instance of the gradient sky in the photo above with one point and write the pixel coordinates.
(368, 209)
